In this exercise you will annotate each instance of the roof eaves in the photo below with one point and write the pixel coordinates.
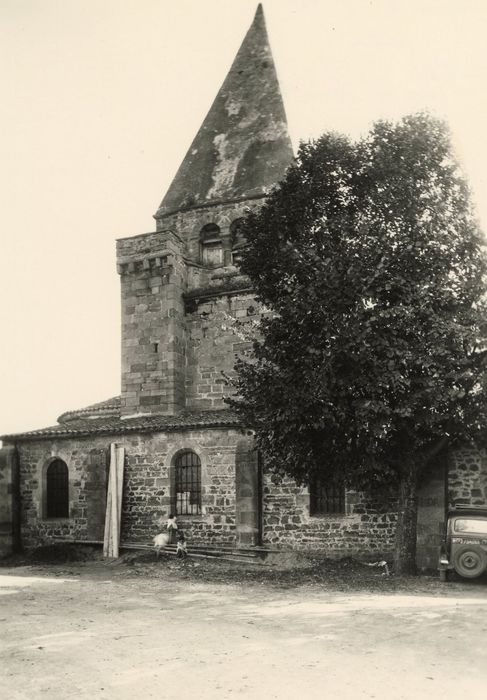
(121, 427)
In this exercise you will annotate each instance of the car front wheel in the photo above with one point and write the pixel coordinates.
(469, 561)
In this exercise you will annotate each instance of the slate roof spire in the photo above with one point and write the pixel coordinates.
(243, 146)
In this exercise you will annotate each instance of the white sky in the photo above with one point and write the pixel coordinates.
(101, 99)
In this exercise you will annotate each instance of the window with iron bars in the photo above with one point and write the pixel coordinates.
(187, 484)
(326, 498)
(57, 490)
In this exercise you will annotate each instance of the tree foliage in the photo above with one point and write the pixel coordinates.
(372, 265)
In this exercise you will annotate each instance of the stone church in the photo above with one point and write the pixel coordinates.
(185, 452)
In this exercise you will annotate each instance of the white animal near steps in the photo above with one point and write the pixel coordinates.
(160, 542)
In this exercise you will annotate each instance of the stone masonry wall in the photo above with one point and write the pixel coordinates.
(156, 271)
(146, 494)
(367, 529)
(86, 461)
(467, 481)
(214, 341)
(152, 274)
(9, 500)
(189, 223)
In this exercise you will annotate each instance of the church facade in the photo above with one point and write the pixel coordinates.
(183, 301)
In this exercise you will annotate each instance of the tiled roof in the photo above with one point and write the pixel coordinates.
(102, 408)
(105, 425)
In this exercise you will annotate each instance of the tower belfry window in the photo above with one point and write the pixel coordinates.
(211, 245)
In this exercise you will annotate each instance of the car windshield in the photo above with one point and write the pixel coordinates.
(478, 527)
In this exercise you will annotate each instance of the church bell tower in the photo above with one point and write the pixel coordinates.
(240, 152)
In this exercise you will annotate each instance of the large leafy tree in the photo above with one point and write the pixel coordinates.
(370, 362)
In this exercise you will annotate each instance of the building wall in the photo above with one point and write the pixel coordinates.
(146, 493)
(216, 335)
(152, 274)
(87, 464)
(459, 479)
(188, 225)
(467, 481)
(366, 529)
(9, 501)
(160, 324)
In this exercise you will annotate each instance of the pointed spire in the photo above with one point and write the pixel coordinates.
(243, 146)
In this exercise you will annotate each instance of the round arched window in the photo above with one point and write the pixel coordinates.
(57, 490)
(187, 484)
(211, 245)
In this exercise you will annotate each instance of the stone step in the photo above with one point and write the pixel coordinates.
(216, 552)
(202, 553)
(251, 555)
(210, 549)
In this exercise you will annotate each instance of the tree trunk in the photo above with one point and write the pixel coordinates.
(405, 546)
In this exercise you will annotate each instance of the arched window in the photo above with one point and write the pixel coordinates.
(187, 484)
(57, 490)
(211, 245)
(237, 240)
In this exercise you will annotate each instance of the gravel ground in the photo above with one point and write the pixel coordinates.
(76, 626)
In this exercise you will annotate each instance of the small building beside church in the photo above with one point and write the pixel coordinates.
(185, 451)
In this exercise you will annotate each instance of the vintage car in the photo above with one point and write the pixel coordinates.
(464, 549)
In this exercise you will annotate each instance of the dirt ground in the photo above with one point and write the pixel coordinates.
(80, 627)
